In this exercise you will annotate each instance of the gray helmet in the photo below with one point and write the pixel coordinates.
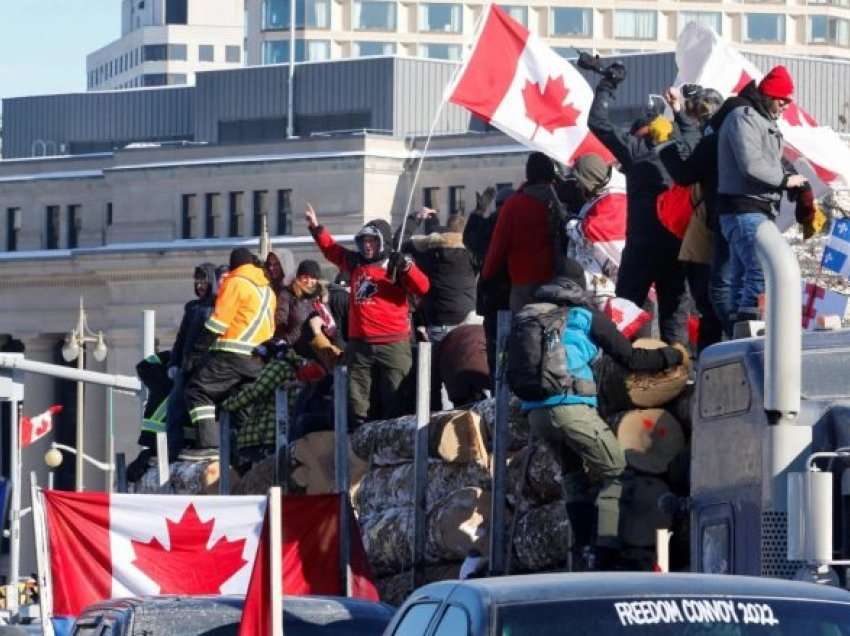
(708, 103)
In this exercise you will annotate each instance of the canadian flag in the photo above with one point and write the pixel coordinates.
(704, 58)
(515, 82)
(105, 546)
(35, 427)
(628, 317)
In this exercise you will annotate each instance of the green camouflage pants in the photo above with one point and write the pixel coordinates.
(580, 439)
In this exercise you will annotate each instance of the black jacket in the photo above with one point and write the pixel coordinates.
(646, 177)
(195, 314)
(494, 294)
(449, 267)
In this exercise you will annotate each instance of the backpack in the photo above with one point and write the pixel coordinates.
(537, 359)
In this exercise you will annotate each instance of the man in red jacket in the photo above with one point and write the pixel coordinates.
(379, 314)
(525, 235)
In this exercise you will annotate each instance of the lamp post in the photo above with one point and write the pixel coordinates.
(75, 348)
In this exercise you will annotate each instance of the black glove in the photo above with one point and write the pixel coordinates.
(672, 356)
(398, 264)
(590, 63)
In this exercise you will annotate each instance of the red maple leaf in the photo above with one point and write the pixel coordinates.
(546, 107)
(188, 567)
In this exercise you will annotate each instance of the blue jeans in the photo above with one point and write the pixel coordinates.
(720, 286)
(745, 273)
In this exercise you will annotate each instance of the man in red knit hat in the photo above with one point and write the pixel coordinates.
(751, 180)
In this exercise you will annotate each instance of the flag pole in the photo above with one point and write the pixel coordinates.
(275, 513)
(446, 94)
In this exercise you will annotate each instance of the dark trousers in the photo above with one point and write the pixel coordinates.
(642, 265)
(210, 384)
(699, 280)
(720, 287)
(390, 365)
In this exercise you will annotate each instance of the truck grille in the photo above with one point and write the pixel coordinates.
(774, 546)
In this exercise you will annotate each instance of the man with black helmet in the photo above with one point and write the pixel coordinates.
(379, 317)
(651, 252)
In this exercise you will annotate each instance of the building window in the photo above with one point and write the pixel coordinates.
(457, 204)
(261, 209)
(232, 54)
(189, 216)
(277, 51)
(284, 212)
(571, 22)
(374, 15)
(635, 25)
(440, 51)
(710, 19)
(212, 213)
(441, 17)
(311, 13)
(765, 27)
(829, 30)
(161, 52)
(75, 224)
(53, 227)
(431, 198)
(517, 12)
(176, 11)
(206, 53)
(237, 213)
(164, 79)
(13, 228)
(368, 49)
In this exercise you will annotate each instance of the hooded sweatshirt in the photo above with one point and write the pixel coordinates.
(379, 312)
(195, 314)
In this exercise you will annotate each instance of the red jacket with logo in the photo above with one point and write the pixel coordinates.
(379, 312)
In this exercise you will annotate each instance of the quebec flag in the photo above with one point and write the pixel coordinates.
(836, 254)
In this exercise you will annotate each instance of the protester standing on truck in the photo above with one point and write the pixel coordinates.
(751, 180)
(379, 316)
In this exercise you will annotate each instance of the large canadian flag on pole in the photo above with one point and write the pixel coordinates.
(704, 58)
(516, 83)
(105, 546)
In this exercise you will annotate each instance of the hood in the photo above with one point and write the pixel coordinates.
(748, 96)
(207, 272)
(438, 240)
(562, 291)
(380, 229)
(252, 273)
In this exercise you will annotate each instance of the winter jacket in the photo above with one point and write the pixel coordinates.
(379, 312)
(589, 330)
(244, 311)
(751, 174)
(195, 314)
(294, 307)
(339, 301)
(494, 294)
(646, 177)
(153, 373)
(449, 268)
(522, 240)
(686, 130)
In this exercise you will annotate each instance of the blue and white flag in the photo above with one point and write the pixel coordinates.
(836, 254)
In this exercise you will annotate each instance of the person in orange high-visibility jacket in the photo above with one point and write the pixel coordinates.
(242, 319)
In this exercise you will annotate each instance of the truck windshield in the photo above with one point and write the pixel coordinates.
(675, 616)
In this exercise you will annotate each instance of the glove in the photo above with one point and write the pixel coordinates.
(398, 264)
(590, 62)
(817, 224)
(272, 349)
(673, 356)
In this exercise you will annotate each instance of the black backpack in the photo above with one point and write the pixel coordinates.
(537, 360)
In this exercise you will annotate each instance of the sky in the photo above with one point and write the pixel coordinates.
(44, 43)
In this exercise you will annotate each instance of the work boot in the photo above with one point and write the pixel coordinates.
(199, 454)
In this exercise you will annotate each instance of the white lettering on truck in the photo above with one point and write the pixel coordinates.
(694, 611)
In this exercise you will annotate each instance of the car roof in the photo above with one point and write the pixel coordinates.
(304, 607)
(564, 586)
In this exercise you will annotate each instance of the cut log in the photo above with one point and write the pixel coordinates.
(396, 588)
(392, 486)
(312, 464)
(651, 438)
(517, 421)
(654, 389)
(541, 540)
(640, 515)
(544, 482)
(454, 436)
(185, 478)
(454, 526)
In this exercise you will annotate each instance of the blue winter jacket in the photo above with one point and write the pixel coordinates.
(581, 351)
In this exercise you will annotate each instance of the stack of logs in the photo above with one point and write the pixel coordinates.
(649, 412)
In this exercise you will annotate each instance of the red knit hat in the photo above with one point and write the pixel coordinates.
(777, 83)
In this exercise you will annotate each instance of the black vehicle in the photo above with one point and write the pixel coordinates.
(219, 616)
(623, 604)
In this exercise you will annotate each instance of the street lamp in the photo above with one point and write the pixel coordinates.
(75, 349)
